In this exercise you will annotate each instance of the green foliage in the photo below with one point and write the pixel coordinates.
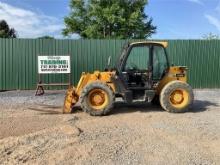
(6, 31)
(46, 37)
(122, 19)
(211, 36)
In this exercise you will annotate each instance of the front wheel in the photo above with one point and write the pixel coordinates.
(176, 97)
(97, 99)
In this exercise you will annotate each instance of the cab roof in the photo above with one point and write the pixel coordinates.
(163, 43)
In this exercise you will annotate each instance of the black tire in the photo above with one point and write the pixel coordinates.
(85, 102)
(156, 100)
(167, 91)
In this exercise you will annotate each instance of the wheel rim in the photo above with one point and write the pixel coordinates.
(98, 99)
(179, 98)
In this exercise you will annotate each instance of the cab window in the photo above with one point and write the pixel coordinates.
(138, 58)
(159, 62)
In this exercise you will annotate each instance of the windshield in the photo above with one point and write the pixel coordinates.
(138, 58)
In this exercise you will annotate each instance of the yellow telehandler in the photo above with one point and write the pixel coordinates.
(142, 73)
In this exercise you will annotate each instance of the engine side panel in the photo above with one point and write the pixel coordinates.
(174, 73)
(87, 78)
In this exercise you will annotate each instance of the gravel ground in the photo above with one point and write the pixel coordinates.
(34, 131)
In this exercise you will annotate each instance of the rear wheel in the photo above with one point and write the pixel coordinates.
(97, 99)
(176, 97)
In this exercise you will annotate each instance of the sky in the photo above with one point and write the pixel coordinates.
(175, 19)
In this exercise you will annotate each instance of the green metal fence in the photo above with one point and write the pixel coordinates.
(18, 59)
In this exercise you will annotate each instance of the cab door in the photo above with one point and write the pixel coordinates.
(136, 69)
(160, 62)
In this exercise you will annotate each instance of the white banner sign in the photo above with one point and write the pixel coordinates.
(53, 64)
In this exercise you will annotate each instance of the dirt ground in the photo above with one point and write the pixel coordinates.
(34, 131)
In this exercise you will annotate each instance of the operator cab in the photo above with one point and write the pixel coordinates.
(142, 65)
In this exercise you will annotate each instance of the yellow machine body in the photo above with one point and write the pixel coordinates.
(173, 73)
(73, 93)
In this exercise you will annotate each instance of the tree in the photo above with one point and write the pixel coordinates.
(211, 36)
(46, 37)
(6, 31)
(122, 19)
